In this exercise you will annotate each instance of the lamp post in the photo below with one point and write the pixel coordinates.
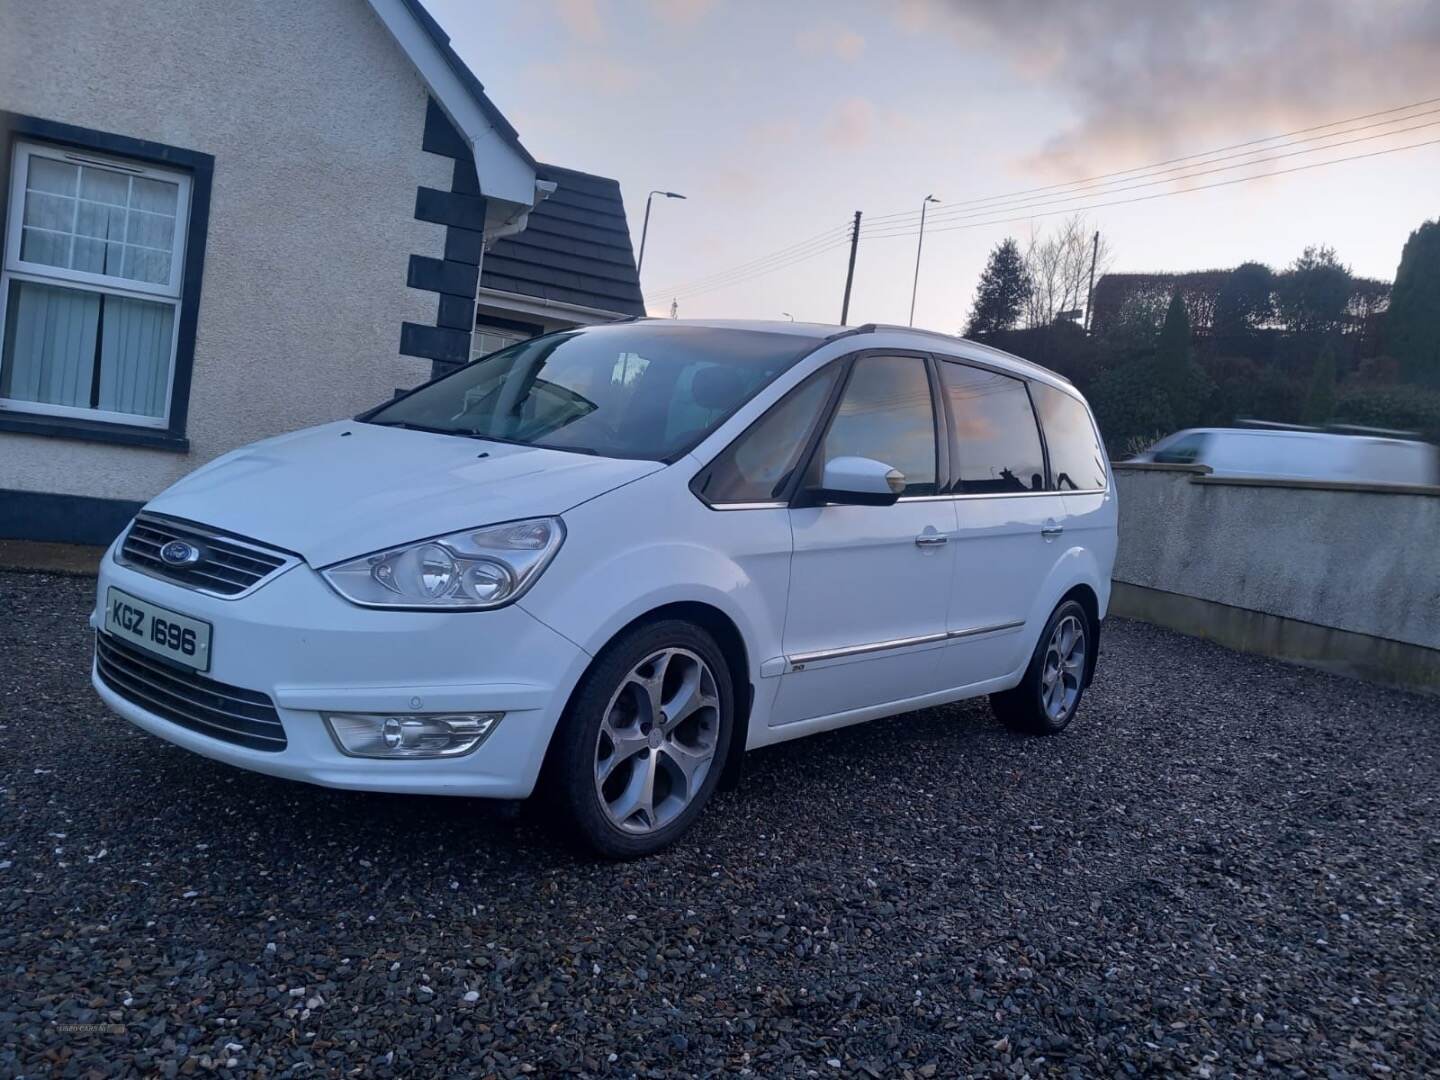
(640, 261)
(788, 315)
(918, 244)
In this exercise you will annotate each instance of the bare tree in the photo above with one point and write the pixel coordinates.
(1059, 267)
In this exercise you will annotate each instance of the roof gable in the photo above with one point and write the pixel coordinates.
(505, 167)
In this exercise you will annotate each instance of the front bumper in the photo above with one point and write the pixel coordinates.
(295, 640)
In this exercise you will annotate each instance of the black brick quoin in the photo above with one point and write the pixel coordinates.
(455, 277)
(464, 245)
(455, 313)
(447, 208)
(437, 275)
(435, 342)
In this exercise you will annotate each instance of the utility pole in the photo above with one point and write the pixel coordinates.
(850, 273)
(1090, 293)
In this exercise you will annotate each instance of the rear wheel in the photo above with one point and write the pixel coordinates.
(1048, 696)
(645, 739)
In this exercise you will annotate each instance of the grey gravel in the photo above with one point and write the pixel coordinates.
(1227, 866)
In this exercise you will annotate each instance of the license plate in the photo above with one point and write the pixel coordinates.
(161, 631)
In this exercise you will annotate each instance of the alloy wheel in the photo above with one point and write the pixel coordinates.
(1064, 670)
(657, 740)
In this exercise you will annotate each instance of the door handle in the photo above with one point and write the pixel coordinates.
(1051, 528)
(925, 540)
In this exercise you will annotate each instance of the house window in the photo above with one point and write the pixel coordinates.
(488, 339)
(97, 287)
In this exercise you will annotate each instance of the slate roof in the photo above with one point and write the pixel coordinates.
(575, 250)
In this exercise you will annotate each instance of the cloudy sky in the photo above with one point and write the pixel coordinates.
(779, 120)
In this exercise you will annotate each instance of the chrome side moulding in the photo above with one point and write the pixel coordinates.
(797, 661)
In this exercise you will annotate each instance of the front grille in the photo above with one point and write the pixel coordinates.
(244, 717)
(228, 566)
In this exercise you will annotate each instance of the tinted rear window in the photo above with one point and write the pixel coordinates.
(995, 445)
(1077, 463)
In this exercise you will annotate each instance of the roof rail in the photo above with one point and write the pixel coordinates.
(1361, 429)
(851, 331)
(1273, 425)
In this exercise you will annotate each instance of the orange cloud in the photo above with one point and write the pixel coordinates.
(851, 124)
(838, 41)
(1146, 79)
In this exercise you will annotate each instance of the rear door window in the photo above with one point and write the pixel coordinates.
(1077, 463)
(995, 445)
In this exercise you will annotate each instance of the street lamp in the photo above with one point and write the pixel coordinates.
(788, 315)
(914, 287)
(639, 262)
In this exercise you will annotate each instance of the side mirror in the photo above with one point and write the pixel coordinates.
(859, 481)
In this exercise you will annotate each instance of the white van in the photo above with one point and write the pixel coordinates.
(613, 559)
(1303, 455)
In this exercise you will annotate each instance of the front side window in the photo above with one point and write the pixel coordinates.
(648, 390)
(757, 466)
(995, 445)
(1077, 463)
(886, 414)
(91, 285)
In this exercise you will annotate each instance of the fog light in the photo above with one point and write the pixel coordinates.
(425, 735)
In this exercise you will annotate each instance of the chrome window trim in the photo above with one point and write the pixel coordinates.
(998, 495)
(205, 532)
(924, 498)
(797, 661)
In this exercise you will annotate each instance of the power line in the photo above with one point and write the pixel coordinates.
(1113, 202)
(1183, 191)
(1142, 169)
(833, 245)
(1046, 202)
(893, 225)
(773, 262)
(951, 213)
(824, 234)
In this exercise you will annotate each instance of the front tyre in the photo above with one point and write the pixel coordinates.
(1048, 696)
(644, 741)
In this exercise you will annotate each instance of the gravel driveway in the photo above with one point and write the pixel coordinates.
(1227, 865)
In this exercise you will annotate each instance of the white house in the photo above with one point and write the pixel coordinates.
(226, 221)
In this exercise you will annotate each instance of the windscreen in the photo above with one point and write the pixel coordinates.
(646, 390)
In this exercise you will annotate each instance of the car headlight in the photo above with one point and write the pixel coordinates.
(469, 570)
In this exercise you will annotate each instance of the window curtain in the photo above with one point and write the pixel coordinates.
(50, 344)
(50, 349)
(135, 356)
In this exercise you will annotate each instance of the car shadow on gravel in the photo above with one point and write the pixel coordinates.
(398, 830)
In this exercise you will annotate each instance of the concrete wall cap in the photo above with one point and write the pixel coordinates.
(1159, 466)
(1318, 485)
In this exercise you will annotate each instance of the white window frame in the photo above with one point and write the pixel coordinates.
(504, 332)
(18, 269)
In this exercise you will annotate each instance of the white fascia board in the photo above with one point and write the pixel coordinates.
(504, 173)
(548, 309)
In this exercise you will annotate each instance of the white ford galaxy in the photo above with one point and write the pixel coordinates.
(608, 561)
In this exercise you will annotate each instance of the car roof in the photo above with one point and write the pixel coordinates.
(1339, 437)
(893, 336)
